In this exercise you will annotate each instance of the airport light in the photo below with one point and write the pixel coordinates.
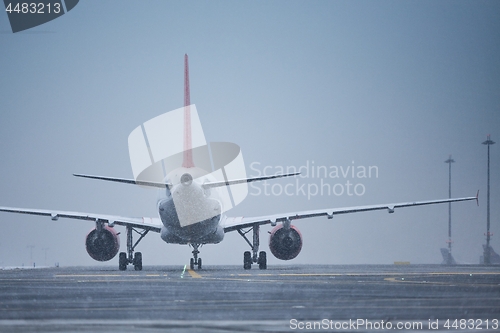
(449, 161)
(487, 252)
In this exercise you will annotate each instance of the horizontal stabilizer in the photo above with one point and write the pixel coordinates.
(126, 181)
(246, 180)
(163, 185)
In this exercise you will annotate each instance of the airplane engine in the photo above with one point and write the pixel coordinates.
(285, 244)
(103, 245)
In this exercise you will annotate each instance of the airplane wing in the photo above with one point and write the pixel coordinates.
(146, 223)
(235, 223)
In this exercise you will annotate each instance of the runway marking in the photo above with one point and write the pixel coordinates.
(446, 283)
(393, 279)
(87, 275)
(105, 275)
(417, 278)
(194, 274)
(379, 274)
(268, 304)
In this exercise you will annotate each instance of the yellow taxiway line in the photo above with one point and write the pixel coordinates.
(194, 274)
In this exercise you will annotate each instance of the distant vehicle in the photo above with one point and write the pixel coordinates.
(195, 194)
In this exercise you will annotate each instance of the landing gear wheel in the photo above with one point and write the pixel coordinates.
(262, 260)
(138, 261)
(251, 257)
(128, 257)
(122, 261)
(247, 260)
(195, 261)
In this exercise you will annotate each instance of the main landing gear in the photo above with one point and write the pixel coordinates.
(129, 257)
(195, 261)
(251, 257)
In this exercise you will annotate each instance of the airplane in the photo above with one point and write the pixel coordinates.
(494, 257)
(447, 257)
(190, 212)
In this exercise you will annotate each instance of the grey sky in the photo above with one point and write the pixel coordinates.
(398, 85)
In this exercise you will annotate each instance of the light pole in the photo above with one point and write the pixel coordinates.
(45, 249)
(487, 251)
(31, 253)
(449, 161)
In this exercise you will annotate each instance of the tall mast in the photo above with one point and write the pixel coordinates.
(449, 161)
(188, 155)
(487, 250)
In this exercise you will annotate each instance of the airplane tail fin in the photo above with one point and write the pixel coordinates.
(188, 154)
(494, 257)
(447, 257)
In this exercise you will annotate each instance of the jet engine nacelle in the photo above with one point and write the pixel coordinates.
(285, 244)
(102, 245)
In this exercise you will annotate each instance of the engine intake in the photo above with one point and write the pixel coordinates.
(102, 245)
(285, 244)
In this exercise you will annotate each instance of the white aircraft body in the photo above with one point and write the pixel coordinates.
(197, 218)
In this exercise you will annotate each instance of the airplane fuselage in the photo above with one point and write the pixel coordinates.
(189, 212)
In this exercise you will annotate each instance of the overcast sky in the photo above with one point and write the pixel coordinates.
(396, 85)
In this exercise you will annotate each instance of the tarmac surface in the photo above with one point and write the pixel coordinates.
(228, 298)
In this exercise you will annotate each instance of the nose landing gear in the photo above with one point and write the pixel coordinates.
(195, 261)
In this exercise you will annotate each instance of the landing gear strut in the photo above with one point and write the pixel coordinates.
(255, 256)
(129, 258)
(195, 261)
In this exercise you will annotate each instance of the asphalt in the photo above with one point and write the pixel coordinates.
(228, 298)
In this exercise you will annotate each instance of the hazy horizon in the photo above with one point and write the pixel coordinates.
(396, 86)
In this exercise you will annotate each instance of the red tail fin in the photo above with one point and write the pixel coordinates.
(188, 156)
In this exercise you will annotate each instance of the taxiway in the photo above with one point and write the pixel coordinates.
(228, 298)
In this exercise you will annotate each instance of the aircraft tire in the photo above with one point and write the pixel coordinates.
(199, 263)
(262, 260)
(122, 261)
(138, 261)
(247, 260)
(191, 263)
